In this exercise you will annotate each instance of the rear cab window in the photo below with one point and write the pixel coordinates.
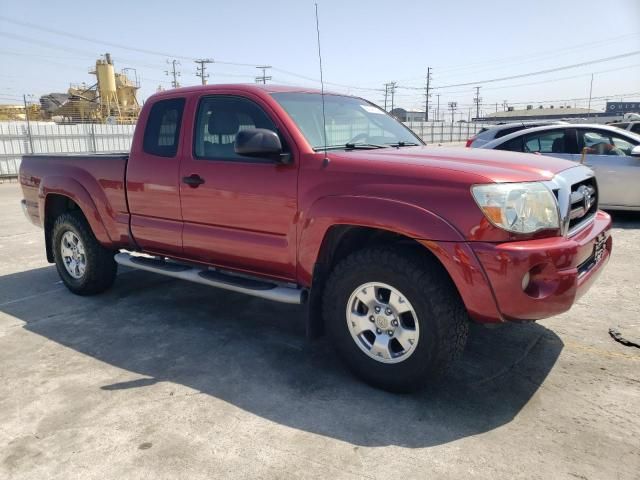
(162, 131)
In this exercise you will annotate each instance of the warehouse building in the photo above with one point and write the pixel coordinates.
(614, 111)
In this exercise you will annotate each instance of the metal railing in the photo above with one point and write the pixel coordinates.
(445, 132)
(20, 138)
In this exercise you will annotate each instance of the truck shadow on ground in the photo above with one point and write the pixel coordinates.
(253, 354)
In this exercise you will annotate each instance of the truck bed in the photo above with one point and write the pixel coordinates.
(97, 179)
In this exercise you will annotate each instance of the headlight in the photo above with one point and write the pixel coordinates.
(518, 207)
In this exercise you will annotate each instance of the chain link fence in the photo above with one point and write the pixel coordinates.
(22, 138)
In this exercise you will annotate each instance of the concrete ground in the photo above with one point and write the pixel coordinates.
(159, 378)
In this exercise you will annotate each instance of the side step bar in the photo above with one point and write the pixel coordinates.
(215, 278)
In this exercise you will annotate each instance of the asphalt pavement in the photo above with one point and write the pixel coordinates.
(163, 379)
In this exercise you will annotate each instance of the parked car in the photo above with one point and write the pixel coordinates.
(393, 246)
(613, 155)
(630, 126)
(489, 133)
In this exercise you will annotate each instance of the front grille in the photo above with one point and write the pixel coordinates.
(583, 203)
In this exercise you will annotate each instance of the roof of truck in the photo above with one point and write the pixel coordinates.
(246, 87)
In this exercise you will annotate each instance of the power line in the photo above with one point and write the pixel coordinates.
(529, 74)
(165, 54)
(562, 100)
(77, 52)
(556, 79)
(536, 56)
(315, 80)
(548, 70)
(111, 44)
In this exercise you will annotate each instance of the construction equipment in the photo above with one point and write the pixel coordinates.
(112, 99)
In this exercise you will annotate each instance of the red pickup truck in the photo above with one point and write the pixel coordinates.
(392, 245)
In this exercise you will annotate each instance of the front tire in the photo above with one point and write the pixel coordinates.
(85, 266)
(395, 317)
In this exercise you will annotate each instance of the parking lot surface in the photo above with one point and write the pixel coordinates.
(159, 378)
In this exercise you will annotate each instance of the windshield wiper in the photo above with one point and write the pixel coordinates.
(402, 144)
(350, 146)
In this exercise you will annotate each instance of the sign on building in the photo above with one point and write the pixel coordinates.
(623, 107)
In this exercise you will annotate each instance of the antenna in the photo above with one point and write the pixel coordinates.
(324, 119)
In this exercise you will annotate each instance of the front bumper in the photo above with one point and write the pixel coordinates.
(526, 280)
(541, 278)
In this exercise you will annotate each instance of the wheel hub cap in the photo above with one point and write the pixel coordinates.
(382, 322)
(73, 255)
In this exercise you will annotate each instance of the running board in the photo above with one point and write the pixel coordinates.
(215, 278)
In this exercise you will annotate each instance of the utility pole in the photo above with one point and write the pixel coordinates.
(452, 107)
(392, 90)
(590, 91)
(26, 116)
(505, 105)
(263, 79)
(201, 69)
(477, 101)
(427, 94)
(389, 90)
(173, 73)
(386, 95)
(438, 108)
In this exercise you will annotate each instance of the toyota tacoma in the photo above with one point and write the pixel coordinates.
(325, 200)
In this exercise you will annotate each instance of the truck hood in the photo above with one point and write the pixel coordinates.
(493, 165)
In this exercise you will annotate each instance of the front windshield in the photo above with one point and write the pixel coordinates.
(350, 121)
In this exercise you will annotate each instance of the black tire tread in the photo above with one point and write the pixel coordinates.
(437, 289)
(101, 266)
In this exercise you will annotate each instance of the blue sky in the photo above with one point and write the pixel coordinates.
(365, 44)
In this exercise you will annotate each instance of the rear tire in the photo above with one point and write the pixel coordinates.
(85, 266)
(421, 338)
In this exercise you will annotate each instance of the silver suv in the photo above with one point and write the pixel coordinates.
(629, 126)
(490, 133)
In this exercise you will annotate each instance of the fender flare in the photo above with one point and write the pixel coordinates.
(365, 211)
(74, 190)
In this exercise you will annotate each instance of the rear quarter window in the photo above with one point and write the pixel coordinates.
(513, 145)
(162, 131)
(507, 131)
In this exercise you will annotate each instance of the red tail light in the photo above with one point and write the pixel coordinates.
(470, 141)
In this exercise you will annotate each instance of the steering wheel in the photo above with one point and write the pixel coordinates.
(360, 136)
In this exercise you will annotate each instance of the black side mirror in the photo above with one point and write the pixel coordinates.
(260, 142)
